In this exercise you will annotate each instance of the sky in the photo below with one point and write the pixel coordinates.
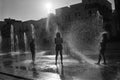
(31, 9)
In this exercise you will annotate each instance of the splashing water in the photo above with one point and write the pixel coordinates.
(47, 24)
(51, 23)
(33, 30)
(83, 38)
(74, 50)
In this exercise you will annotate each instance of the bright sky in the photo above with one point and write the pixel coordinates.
(30, 9)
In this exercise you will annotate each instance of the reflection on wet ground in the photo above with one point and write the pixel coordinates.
(20, 67)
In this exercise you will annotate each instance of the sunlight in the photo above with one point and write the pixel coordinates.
(48, 7)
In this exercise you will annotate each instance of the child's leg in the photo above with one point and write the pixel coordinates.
(56, 57)
(61, 56)
(104, 58)
(33, 56)
(99, 58)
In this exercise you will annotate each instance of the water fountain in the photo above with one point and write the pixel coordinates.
(83, 39)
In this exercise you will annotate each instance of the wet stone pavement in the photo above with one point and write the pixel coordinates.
(19, 67)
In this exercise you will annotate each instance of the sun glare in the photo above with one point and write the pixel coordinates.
(48, 7)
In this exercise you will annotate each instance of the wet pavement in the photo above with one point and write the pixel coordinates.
(20, 67)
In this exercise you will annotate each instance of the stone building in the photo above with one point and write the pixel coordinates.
(66, 15)
(13, 35)
(105, 9)
(116, 19)
(6, 39)
(85, 10)
(81, 10)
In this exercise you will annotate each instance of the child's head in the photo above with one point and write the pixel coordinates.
(58, 34)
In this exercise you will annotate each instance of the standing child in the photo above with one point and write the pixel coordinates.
(59, 47)
(103, 48)
(32, 49)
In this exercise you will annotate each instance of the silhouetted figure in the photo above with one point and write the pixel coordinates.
(103, 48)
(32, 49)
(59, 47)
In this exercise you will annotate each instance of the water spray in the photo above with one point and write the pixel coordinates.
(77, 53)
